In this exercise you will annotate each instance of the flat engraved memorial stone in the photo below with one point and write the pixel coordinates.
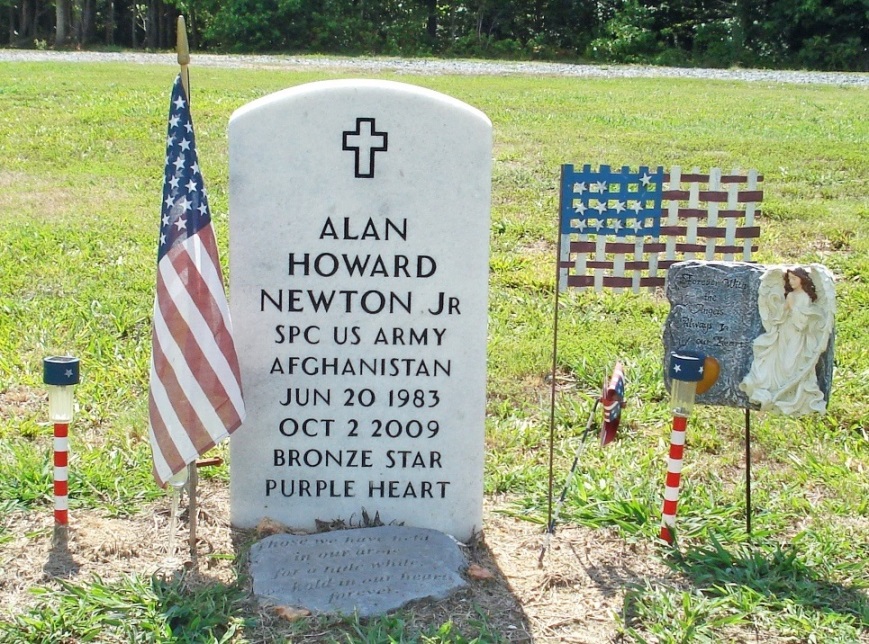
(371, 570)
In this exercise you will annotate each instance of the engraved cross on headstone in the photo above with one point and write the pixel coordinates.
(365, 141)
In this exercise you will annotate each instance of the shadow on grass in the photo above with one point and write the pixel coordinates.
(611, 578)
(60, 563)
(778, 574)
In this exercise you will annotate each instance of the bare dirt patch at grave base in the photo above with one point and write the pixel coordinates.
(576, 596)
(19, 401)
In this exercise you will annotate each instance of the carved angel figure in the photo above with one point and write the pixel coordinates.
(797, 308)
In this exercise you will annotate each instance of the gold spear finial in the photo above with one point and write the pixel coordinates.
(183, 54)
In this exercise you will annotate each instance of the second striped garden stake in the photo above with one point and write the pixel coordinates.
(686, 371)
(60, 374)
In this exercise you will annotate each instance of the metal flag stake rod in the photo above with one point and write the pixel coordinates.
(61, 374)
(612, 399)
(550, 529)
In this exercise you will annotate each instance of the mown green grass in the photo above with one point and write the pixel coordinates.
(80, 182)
(136, 609)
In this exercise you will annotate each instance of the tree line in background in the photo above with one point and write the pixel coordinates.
(813, 34)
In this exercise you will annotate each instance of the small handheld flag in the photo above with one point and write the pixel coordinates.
(195, 396)
(612, 400)
(614, 396)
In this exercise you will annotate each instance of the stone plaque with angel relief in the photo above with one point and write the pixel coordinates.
(771, 328)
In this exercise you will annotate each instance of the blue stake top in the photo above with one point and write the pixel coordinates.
(687, 367)
(60, 370)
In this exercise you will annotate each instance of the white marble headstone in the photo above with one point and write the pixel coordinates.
(359, 237)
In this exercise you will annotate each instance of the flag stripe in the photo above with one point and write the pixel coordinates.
(175, 410)
(733, 177)
(608, 281)
(207, 350)
(715, 196)
(168, 457)
(752, 232)
(180, 369)
(645, 264)
(612, 247)
(699, 248)
(690, 214)
(211, 274)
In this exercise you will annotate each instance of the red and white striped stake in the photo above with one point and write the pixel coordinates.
(688, 375)
(674, 475)
(60, 373)
(61, 474)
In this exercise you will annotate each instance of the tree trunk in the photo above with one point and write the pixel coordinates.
(135, 37)
(151, 25)
(110, 22)
(431, 25)
(77, 21)
(167, 28)
(743, 17)
(87, 22)
(25, 23)
(34, 15)
(192, 27)
(61, 14)
(22, 20)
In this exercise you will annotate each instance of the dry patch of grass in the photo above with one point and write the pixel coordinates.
(20, 401)
(576, 595)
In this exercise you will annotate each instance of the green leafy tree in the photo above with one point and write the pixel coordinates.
(256, 25)
(819, 34)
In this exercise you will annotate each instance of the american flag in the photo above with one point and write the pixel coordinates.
(195, 398)
(624, 228)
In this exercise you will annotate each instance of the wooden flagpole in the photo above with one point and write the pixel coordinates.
(183, 50)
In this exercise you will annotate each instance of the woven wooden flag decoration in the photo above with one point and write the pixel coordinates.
(624, 228)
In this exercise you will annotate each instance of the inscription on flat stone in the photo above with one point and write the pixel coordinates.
(714, 311)
(371, 571)
(359, 236)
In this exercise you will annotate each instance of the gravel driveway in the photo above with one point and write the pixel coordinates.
(431, 66)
